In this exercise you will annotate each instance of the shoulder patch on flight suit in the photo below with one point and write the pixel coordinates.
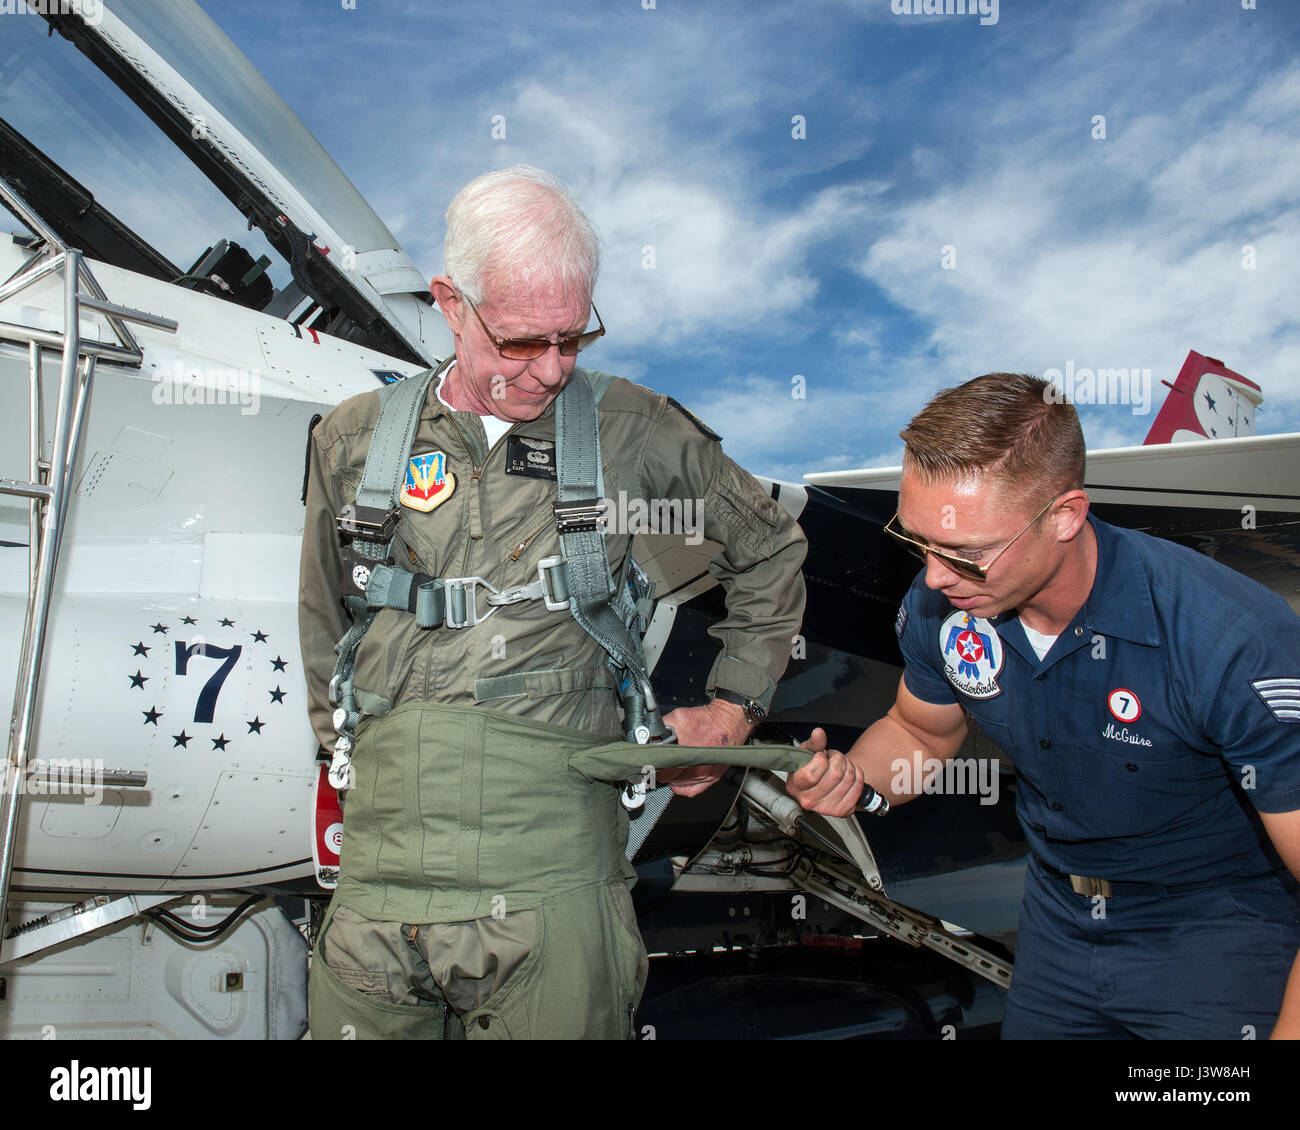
(428, 483)
(694, 419)
(532, 458)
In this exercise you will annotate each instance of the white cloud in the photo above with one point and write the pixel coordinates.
(674, 127)
(723, 260)
(1124, 252)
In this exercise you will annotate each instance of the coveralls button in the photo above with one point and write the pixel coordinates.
(483, 1022)
(1078, 631)
(1131, 767)
(1044, 743)
(1056, 806)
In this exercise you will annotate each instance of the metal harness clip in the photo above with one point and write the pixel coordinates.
(460, 601)
(584, 515)
(340, 773)
(544, 567)
(370, 523)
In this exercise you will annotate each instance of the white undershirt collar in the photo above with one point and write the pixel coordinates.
(494, 427)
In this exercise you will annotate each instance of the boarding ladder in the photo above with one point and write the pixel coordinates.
(49, 486)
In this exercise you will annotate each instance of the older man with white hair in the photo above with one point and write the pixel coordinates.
(483, 887)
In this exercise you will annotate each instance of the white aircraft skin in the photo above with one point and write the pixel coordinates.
(172, 645)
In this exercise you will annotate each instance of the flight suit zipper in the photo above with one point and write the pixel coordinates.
(514, 553)
(475, 528)
(475, 521)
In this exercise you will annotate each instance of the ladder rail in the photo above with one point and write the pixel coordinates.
(38, 603)
(29, 217)
(109, 351)
(30, 273)
(34, 358)
(49, 490)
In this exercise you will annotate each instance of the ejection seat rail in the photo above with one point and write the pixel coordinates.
(49, 487)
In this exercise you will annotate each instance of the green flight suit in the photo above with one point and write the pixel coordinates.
(485, 811)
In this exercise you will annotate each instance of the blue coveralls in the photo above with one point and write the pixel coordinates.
(1164, 717)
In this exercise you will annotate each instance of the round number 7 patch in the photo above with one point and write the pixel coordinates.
(1124, 705)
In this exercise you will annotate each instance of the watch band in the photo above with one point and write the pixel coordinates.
(754, 710)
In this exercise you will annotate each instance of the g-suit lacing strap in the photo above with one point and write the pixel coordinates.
(342, 693)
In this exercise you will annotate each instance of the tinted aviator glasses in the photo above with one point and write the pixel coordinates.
(528, 348)
(972, 570)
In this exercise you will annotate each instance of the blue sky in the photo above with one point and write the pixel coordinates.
(824, 256)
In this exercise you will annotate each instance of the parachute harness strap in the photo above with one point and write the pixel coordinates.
(605, 610)
(578, 580)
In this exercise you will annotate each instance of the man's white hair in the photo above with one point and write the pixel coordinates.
(515, 224)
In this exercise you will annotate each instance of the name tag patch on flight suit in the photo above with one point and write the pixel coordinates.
(972, 654)
(532, 458)
(428, 482)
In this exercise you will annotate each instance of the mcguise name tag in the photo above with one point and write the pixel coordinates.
(532, 458)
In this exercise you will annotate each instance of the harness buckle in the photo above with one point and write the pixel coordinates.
(460, 601)
(370, 523)
(581, 516)
(544, 567)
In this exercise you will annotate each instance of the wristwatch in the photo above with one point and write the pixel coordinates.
(755, 711)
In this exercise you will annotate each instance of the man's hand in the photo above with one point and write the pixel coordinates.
(718, 723)
(830, 783)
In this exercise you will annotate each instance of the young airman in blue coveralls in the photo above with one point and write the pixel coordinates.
(1150, 700)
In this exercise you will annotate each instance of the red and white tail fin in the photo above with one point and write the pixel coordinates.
(1207, 401)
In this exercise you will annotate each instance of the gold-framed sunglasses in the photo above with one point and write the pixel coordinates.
(528, 348)
(972, 570)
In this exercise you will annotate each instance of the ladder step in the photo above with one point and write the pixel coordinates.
(89, 302)
(26, 490)
(10, 331)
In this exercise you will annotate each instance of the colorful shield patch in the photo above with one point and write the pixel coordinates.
(428, 482)
(972, 654)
